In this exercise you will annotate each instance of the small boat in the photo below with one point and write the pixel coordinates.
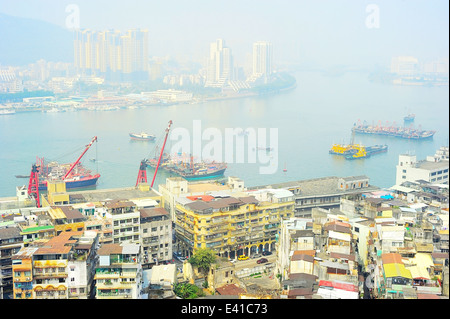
(142, 136)
(22, 176)
(7, 112)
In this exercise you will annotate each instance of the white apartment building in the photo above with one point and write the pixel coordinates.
(81, 266)
(391, 237)
(220, 65)
(262, 58)
(126, 221)
(434, 169)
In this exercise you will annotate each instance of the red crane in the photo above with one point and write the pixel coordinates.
(79, 158)
(33, 184)
(142, 175)
(162, 152)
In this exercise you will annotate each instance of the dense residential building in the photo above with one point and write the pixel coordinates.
(11, 241)
(232, 225)
(62, 268)
(65, 218)
(322, 192)
(178, 186)
(112, 54)
(156, 235)
(125, 221)
(118, 274)
(374, 242)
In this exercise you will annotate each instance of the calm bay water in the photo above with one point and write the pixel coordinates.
(320, 111)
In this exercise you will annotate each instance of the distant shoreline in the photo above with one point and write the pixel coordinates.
(44, 109)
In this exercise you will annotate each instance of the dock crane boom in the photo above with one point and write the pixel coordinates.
(79, 158)
(162, 152)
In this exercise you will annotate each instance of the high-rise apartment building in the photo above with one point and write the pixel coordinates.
(220, 65)
(112, 54)
(262, 59)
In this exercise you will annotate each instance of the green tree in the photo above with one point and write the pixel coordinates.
(202, 259)
(187, 291)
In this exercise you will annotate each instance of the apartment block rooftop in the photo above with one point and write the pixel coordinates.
(101, 195)
(321, 186)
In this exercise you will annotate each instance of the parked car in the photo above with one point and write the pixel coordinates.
(242, 257)
(256, 256)
(262, 261)
(266, 253)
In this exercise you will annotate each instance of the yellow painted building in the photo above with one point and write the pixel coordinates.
(22, 267)
(232, 226)
(65, 218)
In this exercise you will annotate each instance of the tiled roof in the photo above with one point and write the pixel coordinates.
(230, 290)
(109, 249)
(61, 244)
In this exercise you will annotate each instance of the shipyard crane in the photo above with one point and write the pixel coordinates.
(33, 184)
(162, 152)
(79, 158)
(142, 175)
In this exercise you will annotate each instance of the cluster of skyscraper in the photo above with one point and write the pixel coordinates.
(111, 54)
(125, 56)
(220, 69)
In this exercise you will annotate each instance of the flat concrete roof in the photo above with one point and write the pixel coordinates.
(432, 165)
(128, 193)
(318, 186)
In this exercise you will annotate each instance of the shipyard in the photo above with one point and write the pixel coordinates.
(268, 228)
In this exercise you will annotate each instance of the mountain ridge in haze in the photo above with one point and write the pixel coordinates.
(24, 41)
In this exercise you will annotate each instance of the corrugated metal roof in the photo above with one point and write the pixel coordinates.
(396, 270)
(337, 235)
(419, 273)
(391, 258)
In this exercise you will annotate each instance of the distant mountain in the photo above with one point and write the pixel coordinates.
(24, 41)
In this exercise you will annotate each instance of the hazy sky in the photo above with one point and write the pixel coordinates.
(323, 33)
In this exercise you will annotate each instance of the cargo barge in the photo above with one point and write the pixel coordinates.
(356, 151)
(400, 132)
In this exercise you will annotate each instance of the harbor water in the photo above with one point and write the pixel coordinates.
(320, 111)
